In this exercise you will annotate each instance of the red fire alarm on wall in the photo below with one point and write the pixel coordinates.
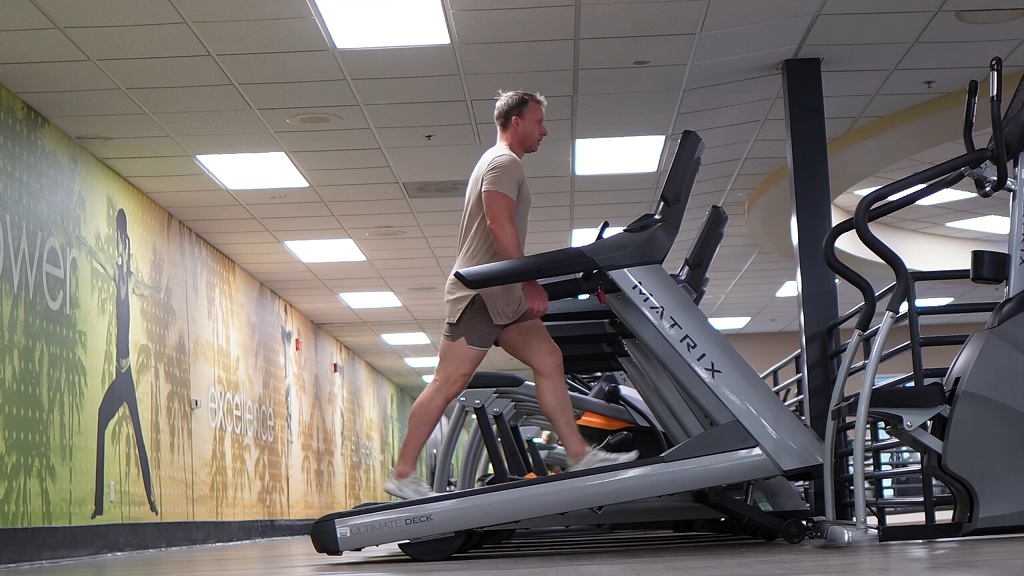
(335, 366)
(298, 344)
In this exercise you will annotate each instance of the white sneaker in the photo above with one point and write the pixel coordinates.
(597, 457)
(407, 488)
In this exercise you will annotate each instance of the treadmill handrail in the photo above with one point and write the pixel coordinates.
(637, 245)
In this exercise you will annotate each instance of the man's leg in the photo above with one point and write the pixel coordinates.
(457, 362)
(530, 343)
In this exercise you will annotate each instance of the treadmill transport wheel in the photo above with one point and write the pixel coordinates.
(794, 531)
(440, 548)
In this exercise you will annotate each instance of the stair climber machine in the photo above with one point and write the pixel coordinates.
(969, 428)
(750, 435)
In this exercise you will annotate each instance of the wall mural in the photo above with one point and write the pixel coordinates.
(114, 317)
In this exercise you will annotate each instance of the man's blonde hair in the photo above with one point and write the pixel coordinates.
(512, 104)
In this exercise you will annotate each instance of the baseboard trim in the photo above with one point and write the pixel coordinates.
(40, 543)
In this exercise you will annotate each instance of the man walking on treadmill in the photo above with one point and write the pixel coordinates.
(493, 228)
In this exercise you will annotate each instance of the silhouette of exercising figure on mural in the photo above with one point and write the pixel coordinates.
(122, 389)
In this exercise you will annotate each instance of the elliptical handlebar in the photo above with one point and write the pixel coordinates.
(998, 138)
(969, 114)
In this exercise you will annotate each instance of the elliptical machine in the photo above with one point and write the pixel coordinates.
(977, 411)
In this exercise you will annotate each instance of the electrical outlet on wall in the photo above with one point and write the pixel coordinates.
(112, 491)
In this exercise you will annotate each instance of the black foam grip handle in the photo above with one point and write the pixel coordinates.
(545, 265)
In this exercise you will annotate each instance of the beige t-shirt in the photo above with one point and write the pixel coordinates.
(500, 170)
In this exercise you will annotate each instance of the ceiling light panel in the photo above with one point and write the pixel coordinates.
(621, 155)
(384, 23)
(729, 323)
(331, 250)
(405, 338)
(370, 299)
(990, 224)
(253, 171)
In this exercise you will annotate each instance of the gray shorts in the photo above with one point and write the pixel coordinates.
(476, 326)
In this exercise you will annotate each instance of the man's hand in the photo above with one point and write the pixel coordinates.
(536, 299)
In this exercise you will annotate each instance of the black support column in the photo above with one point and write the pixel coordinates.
(812, 219)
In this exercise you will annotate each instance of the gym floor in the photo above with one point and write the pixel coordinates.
(653, 555)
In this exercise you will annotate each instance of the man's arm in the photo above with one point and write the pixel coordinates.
(500, 209)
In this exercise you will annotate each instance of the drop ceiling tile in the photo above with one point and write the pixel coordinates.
(946, 28)
(277, 196)
(289, 210)
(550, 184)
(22, 46)
(625, 52)
(619, 80)
(716, 117)
(888, 27)
(190, 99)
(934, 82)
(132, 147)
(166, 72)
(640, 19)
(752, 39)
(518, 25)
(354, 192)
(299, 94)
(109, 12)
(422, 114)
(845, 106)
(856, 56)
(119, 126)
(751, 66)
(553, 199)
(556, 83)
(298, 224)
(453, 218)
(768, 149)
(260, 36)
(436, 204)
(353, 176)
(730, 134)
(23, 15)
(170, 166)
(725, 14)
(403, 90)
(190, 182)
(724, 153)
(328, 140)
(517, 57)
(722, 95)
(230, 143)
(248, 224)
(852, 83)
(340, 159)
(885, 104)
(553, 159)
(342, 118)
(400, 62)
(427, 136)
(54, 76)
(312, 234)
(85, 103)
(362, 221)
(282, 67)
(974, 55)
(211, 123)
(198, 213)
(193, 198)
(372, 207)
(152, 41)
(206, 11)
(431, 164)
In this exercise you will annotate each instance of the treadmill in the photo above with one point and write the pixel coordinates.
(752, 434)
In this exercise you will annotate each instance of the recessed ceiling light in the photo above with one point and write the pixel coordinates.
(924, 302)
(940, 197)
(253, 170)
(405, 338)
(384, 23)
(308, 119)
(317, 251)
(788, 290)
(990, 224)
(370, 299)
(423, 362)
(992, 16)
(729, 323)
(428, 378)
(621, 155)
(584, 236)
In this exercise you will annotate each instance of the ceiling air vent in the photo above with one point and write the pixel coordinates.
(436, 189)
